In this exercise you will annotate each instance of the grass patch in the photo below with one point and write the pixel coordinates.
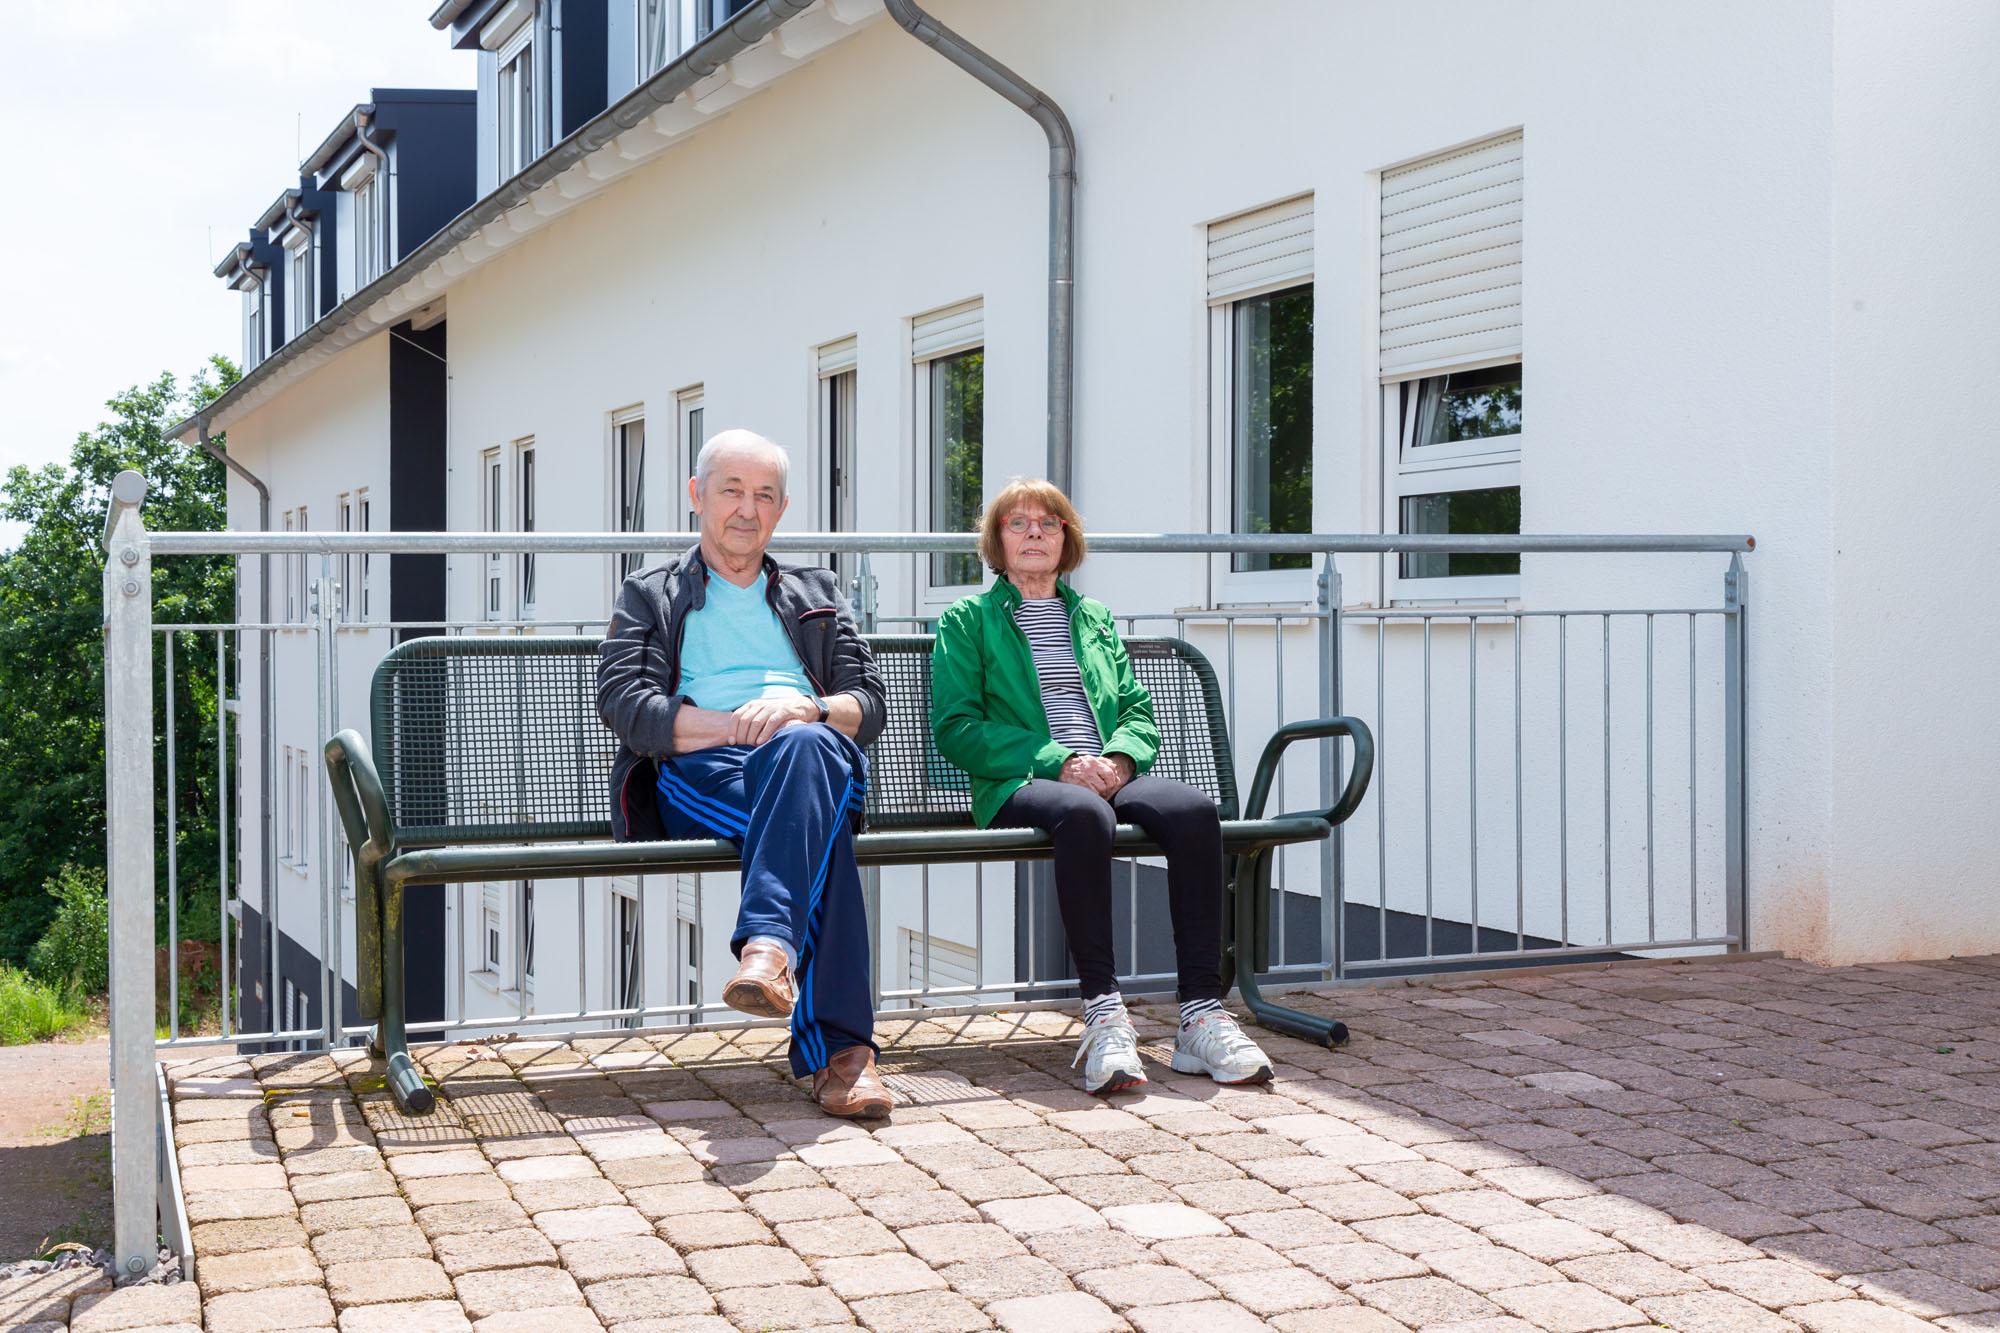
(32, 1010)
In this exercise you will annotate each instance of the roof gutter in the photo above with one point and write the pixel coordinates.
(727, 42)
(1062, 216)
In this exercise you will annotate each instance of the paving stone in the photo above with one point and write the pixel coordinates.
(448, 1219)
(460, 1162)
(1148, 1284)
(268, 1311)
(434, 1190)
(1361, 1319)
(1164, 1221)
(801, 1205)
(244, 1176)
(1688, 1246)
(552, 1168)
(540, 1196)
(840, 1237)
(1424, 1300)
(560, 1319)
(860, 1276)
(987, 1280)
(625, 1301)
(779, 1307)
(1567, 1307)
(343, 1185)
(1485, 1267)
(497, 1290)
(1274, 1291)
(920, 1208)
(1075, 1252)
(1198, 1317)
(925, 1312)
(393, 1242)
(566, 1225)
(1360, 1261)
(747, 1266)
(352, 1214)
(136, 1307)
(411, 1317)
(1070, 1311)
(379, 1280)
(694, 1196)
(1770, 1282)
(1356, 1202)
(1206, 1256)
(1713, 1312)
(1552, 1240)
(1029, 1217)
(237, 1205)
(250, 1270)
(707, 1231)
(1924, 1293)
(1416, 1233)
(467, 1252)
(1853, 1317)
(1626, 1276)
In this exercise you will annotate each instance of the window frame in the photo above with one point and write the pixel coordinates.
(364, 562)
(371, 222)
(1470, 465)
(491, 516)
(1230, 584)
(517, 127)
(343, 507)
(929, 500)
(524, 521)
(837, 460)
(253, 323)
(301, 279)
(628, 485)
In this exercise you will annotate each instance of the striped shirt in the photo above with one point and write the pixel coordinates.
(1045, 622)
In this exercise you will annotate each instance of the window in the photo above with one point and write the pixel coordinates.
(491, 932)
(837, 388)
(289, 574)
(525, 513)
(517, 104)
(528, 933)
(371, 218)
(949, 347)
(666, 28)
(1260, 294)
(343, 593)
(492, 508)
(301, 815)
(287, 837)
(253, 323)
(690, 942)
(627, 963)
(693, 416)
(932, 962)
(628, 465)
(363, 563)
(1450, 354)
(301, 291)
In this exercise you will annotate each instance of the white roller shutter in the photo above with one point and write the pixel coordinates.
(952, 329)
(952, 965)
(1451, 259)
(836, 357)
(1260, 251)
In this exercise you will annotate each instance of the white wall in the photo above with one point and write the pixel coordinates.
(1916, 280)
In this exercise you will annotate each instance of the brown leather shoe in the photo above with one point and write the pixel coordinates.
(762, 985)
(849, 1085)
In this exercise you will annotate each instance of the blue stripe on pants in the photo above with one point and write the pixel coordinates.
(789, 806)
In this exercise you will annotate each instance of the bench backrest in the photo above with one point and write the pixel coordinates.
(492, 739)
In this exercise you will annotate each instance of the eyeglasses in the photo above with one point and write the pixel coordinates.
(1048, 523)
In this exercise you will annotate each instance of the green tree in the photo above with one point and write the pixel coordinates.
(52, 654)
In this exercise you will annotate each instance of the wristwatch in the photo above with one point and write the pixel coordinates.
(823, 713)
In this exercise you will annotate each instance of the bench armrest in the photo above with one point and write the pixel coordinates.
(1358, 774)
(357, 790)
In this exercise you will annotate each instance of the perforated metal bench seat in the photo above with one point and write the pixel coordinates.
(489, 762)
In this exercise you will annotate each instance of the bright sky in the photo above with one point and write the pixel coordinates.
(148, 135)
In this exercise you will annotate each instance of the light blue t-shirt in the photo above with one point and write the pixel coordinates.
(734, 650)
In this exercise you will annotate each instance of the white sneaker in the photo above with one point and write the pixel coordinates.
(1112, 1048)
(1214, 1045)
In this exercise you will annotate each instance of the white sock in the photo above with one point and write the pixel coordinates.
(791, 954)
(1108, 1005)
(1193, 1011)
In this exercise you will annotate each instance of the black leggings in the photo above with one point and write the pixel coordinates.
(1185, 825)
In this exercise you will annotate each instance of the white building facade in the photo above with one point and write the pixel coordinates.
(1339, 268)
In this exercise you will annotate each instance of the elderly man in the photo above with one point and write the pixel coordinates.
(743, 693)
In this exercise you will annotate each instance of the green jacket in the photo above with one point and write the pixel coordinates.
(986, 701)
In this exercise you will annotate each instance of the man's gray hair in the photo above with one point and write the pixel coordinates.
(732, 443)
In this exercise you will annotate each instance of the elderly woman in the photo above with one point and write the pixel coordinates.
(1033, 696)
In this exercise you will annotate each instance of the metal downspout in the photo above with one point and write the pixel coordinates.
(1062, 216)
(266, 716)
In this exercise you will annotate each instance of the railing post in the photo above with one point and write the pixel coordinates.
(871, 876)
(323, 605)
(864, 597)
(128, 786)
(1332, 852)
(1735, 641)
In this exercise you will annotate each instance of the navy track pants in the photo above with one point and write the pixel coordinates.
(791, 805)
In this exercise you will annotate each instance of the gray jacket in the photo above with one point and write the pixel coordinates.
(639, 668)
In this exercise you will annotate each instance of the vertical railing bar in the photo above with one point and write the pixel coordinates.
(1694, 785)
(978, 927)
(173, 855)
(1277, 903)
(1562, 772)
(1229, 722)
(1652, 892)
(582, 954)
(928, 979)
(1606, 664)
(638, 950)
(458, 932)
(1735, 818)
(1132, 907)
(1333, 853)
(1472, 760)
(1520, 819)
(337, 1029)
(521, 946)
(1430, 907)
(1381, 796)
(227, 982)
(329, 915)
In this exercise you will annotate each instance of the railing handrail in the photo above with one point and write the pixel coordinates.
(884, 543)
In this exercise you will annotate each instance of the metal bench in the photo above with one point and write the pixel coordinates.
(489, 762)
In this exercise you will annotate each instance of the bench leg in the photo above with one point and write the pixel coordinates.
(1241, 958)
(406, 1084)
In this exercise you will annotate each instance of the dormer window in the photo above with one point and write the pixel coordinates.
(301, 289)
(253, 322)
(510, 35)
(364, 181)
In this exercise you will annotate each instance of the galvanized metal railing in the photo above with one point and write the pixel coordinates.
(1316, 934)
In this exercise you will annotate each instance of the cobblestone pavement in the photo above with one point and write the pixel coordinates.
(1708, 1147)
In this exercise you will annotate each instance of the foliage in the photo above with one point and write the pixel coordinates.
(52, 660)
(32, 1010)
(76, 950)
(1274, 359)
